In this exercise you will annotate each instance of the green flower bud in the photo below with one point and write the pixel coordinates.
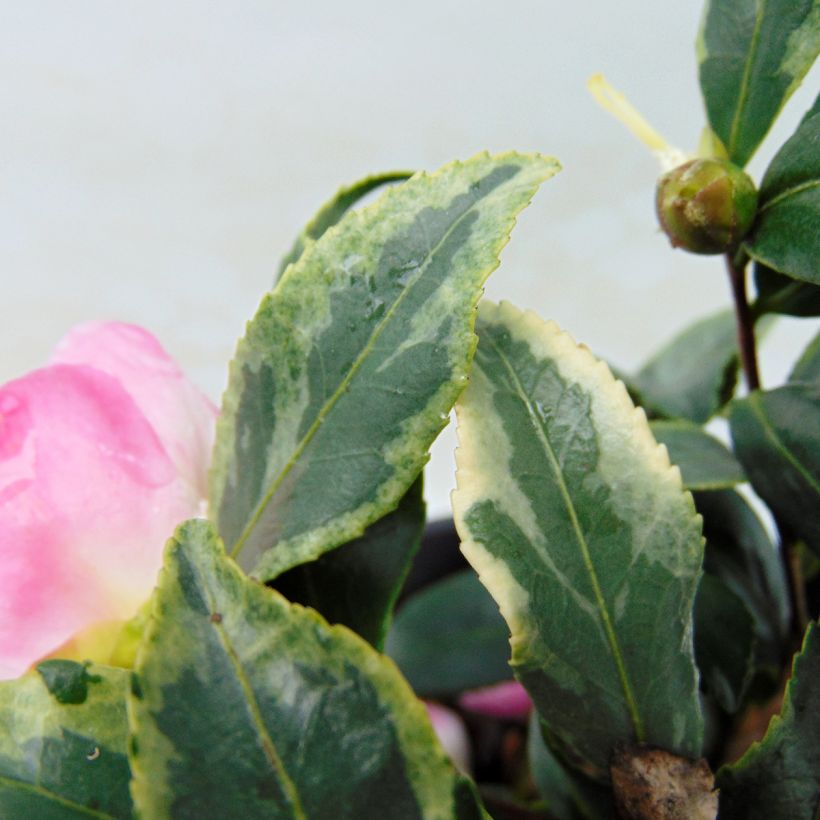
(706, 205)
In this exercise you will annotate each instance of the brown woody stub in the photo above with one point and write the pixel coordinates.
(653, 784)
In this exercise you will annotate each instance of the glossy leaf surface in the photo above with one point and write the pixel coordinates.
(351, 365)
(786, 236)
(450, 637)
(693, 375)
(705, 463)
(580, 528)
(779, 778)
(335, 208)
(777, 293)
(357, 584)
(63, 735)
(776, 436)
(247, 706)
(752, 56)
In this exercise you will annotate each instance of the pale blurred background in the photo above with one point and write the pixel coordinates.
(157, 159)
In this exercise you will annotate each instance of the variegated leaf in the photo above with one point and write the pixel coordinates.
(779, 777)
(63, 734)
(580, 528)
(334, 209)
(244, 705)
(349, 368)
(753, 54)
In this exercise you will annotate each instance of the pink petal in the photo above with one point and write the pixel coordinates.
(451, 733)
(503, 700)
(182, 416)
(89, 493)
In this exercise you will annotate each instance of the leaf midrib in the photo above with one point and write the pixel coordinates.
(788, 192)
(255, 712)
(612, 638)
(743, 94)
(41, 791)
(771, 433)
(330, 402)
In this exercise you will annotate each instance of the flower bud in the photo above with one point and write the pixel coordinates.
(706, 205)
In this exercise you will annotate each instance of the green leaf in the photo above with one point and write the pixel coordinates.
(779, 777)
(777, 293)
(358, 584)
(807, 368)
(724, 642)
(351, 365)
(704, 462)
(63, 735)
(693, 375)
(581, 530)
(753, 54)
(334, 209)
(741, 555)
(567, 795)
(450, 637)
(245, 705)
(785, 235)
(776, 436)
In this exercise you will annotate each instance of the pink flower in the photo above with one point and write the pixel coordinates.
(102, 453)
(451, 734)
(507, 700)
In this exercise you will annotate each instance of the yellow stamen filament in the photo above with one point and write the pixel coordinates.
(617, 104)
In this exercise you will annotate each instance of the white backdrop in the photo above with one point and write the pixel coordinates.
(157, 158)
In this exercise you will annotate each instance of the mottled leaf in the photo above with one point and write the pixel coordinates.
(785, 236)
(693, 375)
(741, 555)
(725, 642)
(358, 584)
(705, 463)
(807, 368)
(450, 637)
(777, 293)
(776, 436)
(753, 54)
(334, 209)
(581, 530)
(349, 368)
(245, 705)
(779, 778)
(63, 733)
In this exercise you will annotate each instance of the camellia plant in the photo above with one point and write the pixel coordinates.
(629, 639)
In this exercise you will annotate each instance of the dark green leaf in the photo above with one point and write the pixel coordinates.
(704, 462)
(777, 293)
(580, 528)
(334, 209)
(776, 436)
(785, 236)
(752, 56)
(567, 795)
(724, 642)
(695, 374)
(807, 368)
(450, 637)
(741, 555)
(248, 706)
(350, 367)
(779, 778)
(63, 733)
(357, 584)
